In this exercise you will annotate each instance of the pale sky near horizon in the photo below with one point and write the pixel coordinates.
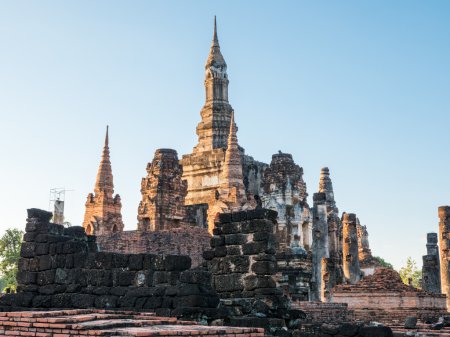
(358, 86)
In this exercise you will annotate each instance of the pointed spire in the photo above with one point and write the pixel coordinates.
(107, 136)
(215, 57)
(215, 41)
(232, 176)
(104, 181)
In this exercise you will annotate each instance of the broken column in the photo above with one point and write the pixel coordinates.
(352, 271)
(320, 245)
(431, 281)
(363, 242)
(444, 234)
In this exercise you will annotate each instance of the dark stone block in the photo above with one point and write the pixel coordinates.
(45, 262)
(147, 292)
(264, 267)
(230, 282)
(135, 262)
(239, 216)
(264, 236)
(39, 214)
(118, 291)
(76, 232)
(188, 289)
(410, 322)
(52, 248)
(22, 299)
(177, 262)
(256, 247)
(73, 288)
(29, 236)
(45, 277)
(26, 277)
(63, 301)
(224, 218)
(251, 282)
(49, 289)
(231, 228)
(28, 288)
(23, 264)
(101, 291)
(79, 260)
(83, 301)
(41, 301)
(235, 239)
(217, 231)
(160, 277)
(349, 330)
(27, 249)
(191, 301)
(106, 302)
(127, 301)
(69, 263)
(220, 251)
(196, 276)
(237, 264)
(60, 261)
(126, 278)
(217, 241)
(258, 225)
(153, 302)
(103, 260)
(208, 255)
(140, 302)
(42, 248)
(375, 331)
(153, 262)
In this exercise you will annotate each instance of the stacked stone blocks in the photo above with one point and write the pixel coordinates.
(61, 268)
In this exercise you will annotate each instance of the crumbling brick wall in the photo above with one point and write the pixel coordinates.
(186, 240)
(61, 268)
(243, 264)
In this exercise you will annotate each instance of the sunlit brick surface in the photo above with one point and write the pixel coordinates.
(82, 323)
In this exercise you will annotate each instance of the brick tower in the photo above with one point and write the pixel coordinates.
(103, 209)
(202, 168)
(163, 192)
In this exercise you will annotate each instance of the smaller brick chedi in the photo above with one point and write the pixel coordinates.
(163, 193)
(103, 209)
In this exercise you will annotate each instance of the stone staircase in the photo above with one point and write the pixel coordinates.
(87, 322)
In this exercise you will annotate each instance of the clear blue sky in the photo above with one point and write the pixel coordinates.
(359, 86)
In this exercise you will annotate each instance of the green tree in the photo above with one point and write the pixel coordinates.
(383, 262)
(10, 244)
(411, 272)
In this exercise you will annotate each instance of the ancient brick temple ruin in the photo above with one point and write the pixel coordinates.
(223, 239)
(181, 199)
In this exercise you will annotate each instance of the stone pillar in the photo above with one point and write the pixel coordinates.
(319, 247)
(444, 235)
(431, 281)
(352, 271)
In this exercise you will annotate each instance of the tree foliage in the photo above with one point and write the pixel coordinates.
(10, 244)
(383, 262)
(411, 272)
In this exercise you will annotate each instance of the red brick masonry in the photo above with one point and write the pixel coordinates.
(83, 323)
